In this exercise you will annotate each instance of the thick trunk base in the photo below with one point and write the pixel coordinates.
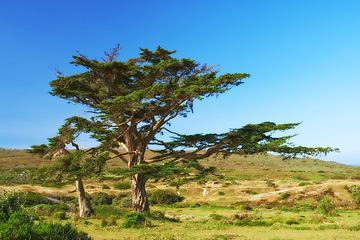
(139, 198)
(84, 203)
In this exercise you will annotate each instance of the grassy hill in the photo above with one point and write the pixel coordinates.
(250, 198)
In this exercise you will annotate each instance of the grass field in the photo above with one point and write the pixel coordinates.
(257, 197)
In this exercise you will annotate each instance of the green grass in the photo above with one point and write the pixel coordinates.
(248, 198)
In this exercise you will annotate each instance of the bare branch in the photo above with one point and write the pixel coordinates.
(113, 54)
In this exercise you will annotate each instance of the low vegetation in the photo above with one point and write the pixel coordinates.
(245, 198)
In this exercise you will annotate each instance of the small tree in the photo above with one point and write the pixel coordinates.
(134, 101)
(75, 165)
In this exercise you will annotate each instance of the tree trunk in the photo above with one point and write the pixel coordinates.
(84, 203)
(139, 199)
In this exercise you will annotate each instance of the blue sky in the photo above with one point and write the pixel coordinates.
(303, 57)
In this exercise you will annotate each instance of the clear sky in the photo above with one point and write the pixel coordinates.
(303, 57)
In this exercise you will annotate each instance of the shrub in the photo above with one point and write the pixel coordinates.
(60, 215)
(201, 181)
(252, 222)
(165, 197)
(284, 195)
(291, 221)
(123, 200)
(112, 221)
(304, 184)
(133, 220)
(354, 228)
(108, 211)
(216, 216)
(221, 193)
(8, 203)
(325, 207)
(105, 187)
(178, 183)
(260, 222)
(122, 185)
(270, 184)
(47, 209)
(19, 225)
(101, 198)
(244, 206)
(104, 222)
(355, 192)
(330, 226)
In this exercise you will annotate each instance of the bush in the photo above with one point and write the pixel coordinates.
(108, 211)
(123, 200)
(355, 192)
(250, 222)
(60, 215)
(270, 184)
(105, 187)
(122, 185)
(101, 198)
(47, 209)
(8, 203)
(16, 224)
(216, 216)
(291, 221)
(165, 197)
(133, 220)
(284, 195)
(304, 184)
(221, 193)
(325, 207)
(178, 183)
(244, 206)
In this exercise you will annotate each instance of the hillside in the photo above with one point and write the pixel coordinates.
(245, 191)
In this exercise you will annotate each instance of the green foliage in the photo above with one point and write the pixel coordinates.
(325, 207)
(105, 187)
(354, 228)
(291, 221)
(216, 216)
(101, 198)
(48, 209)
(74, 165)
(177, 183)
(20, 176)
(133, 220)
(248, 221)
(221, 193)
(108, 211)
(60, 215)
(104, 222)
(270, 184)
(133, 100)
(122, 185)
(244, 206)
(165, 197)
(304, 184)
(123, 200)
(16, 224)
(355, 192)
(284, 195)
(330, 226)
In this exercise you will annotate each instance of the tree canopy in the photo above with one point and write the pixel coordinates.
(132, 103)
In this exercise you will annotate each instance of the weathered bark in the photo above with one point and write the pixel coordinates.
(139, 198)
(84, 203)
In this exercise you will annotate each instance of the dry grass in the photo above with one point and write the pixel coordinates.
(243, 177)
